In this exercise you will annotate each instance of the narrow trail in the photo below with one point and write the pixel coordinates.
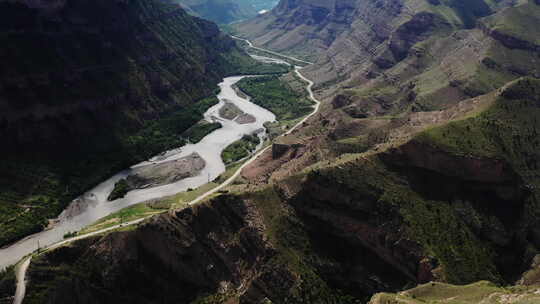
(21, 272)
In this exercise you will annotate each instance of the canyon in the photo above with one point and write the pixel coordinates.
(416, 179)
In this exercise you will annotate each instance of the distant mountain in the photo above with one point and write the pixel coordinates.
(226, 11)
(302, 27)
(470, 47)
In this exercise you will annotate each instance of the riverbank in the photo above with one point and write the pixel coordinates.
(93, 205)
(223, 184)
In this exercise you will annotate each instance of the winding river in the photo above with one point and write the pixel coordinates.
(93, 205)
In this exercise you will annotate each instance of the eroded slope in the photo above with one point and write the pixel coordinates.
(412, 212)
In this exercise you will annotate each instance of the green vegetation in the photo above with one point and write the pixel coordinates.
(271, 93)
(508, 129)
(121, 188)
(230, 111)
(71, 234)
(160, 135)
(7, 285)
(295, 251)
(517, 22)
(213, 299)
(25, 210)
(113, 98)
(433, 224)
(200, 130)
(128, 214)
(462, 13)
(240, 149)
(480, 292)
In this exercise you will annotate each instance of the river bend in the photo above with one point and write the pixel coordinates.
(93, 204)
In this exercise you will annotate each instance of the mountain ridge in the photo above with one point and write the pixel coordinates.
(306, 238)
(421, 166)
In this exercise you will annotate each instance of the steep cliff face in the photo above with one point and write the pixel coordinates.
(236, 249)
(341, 231)
(174, 258)
(85, 89)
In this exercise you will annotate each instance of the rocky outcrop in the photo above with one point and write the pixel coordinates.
(412, 32)
(280, 149)
(336, 213)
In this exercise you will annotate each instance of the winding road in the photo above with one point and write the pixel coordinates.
(23, 266)
(270, 52)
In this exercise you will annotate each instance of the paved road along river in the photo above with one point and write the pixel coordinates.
(21, 272)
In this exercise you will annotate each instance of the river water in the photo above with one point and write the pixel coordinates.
(93, 205)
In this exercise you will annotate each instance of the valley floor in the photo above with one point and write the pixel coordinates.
(138, 217)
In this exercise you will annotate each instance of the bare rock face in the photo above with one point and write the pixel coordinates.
(280, 149)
